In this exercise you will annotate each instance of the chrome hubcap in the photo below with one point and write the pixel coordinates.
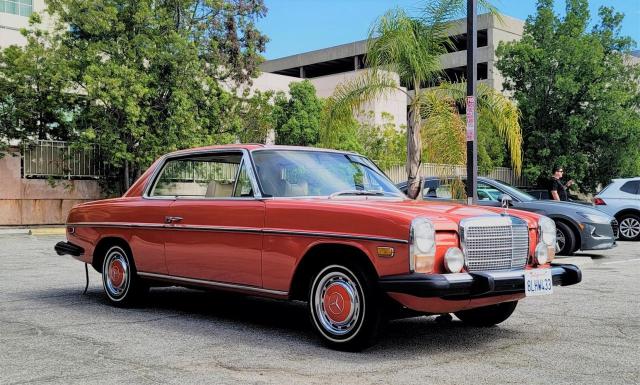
(116, 274)
(630, 227)
(560, 240)
(337, 303)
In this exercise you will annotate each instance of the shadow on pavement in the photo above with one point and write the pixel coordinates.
(271, 323)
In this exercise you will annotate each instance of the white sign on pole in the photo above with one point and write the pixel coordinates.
(471, 117)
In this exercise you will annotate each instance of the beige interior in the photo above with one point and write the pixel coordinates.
(296, 189)
(219, 190)
(181, 189)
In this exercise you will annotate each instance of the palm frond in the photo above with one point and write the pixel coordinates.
(497, 110)
(364, 88)
(400, 43)
(442, 128)
(349, 97)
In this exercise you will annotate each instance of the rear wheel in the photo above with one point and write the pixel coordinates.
(119, 279)
(629, 227)
(345, 307)
(565, 239)
(487, 315)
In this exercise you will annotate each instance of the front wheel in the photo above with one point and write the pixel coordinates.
(119, 278)
(487, 315)
(629, 227)
(344, 307)
(565, 239)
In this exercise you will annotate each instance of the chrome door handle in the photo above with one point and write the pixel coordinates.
(172, 219)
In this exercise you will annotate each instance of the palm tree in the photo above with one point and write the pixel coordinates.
(411, 48)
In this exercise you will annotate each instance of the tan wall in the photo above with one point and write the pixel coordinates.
(11, 24)
(35, 201)
(394, 103)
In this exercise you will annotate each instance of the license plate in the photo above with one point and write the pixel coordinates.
(538, 282)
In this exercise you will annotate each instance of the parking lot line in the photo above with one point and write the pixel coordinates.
(626, 260)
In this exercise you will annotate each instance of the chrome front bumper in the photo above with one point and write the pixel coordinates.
(472, 285)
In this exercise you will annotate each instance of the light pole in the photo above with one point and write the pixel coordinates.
(472, 132)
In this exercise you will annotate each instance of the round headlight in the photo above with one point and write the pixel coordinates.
(454, 260)
(424, 234)
(542, 255)
(547, 231)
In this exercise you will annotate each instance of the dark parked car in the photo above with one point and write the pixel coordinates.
(543, 194)
(578, 227)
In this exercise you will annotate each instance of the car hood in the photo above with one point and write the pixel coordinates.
(445, 216)
(561, 207)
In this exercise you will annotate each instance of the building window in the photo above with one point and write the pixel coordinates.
(459, 42)
(17, 7)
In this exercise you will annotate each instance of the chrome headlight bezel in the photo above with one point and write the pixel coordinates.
(454, 260)
(542, 253)
(547, 231)
(422, 240)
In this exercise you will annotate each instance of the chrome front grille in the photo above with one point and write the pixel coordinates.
(495, 243)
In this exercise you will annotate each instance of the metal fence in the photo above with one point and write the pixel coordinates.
(199, 171)
(399, 173)
(58, 159)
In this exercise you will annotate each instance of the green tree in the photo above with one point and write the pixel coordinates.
(298, 117)
(578, 95)
(151, 72)
(34, 87)
(411, 47)
(384, 143)
(257, 116)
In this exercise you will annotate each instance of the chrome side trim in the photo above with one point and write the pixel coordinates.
(214, 228)
(334, 235)
(236, 229)
(214, 284)
(120, 225)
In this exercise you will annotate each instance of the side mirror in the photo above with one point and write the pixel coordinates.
(506, 200)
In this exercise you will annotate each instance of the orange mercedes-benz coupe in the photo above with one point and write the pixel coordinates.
(321, 226)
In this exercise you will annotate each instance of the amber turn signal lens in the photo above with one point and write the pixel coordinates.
(386, 252)
(424, 263)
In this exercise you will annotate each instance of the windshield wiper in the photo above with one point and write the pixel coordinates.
(357, 192)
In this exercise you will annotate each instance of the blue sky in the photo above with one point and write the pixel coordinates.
(296, 26)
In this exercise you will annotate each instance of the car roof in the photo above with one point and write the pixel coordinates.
(626, 179)
(253, 147)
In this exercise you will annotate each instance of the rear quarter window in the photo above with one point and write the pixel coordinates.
(631, 187)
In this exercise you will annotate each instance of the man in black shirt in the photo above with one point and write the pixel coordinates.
(558, 191)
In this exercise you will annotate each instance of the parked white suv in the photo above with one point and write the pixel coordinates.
(621, 198)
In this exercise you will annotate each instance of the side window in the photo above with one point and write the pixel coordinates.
(631, 187)
(444, 189)
(243, 183)
(207, 176)
(430, 188)
(488, 193)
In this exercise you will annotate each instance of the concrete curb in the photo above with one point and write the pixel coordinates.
(48, 231)
(14, 231)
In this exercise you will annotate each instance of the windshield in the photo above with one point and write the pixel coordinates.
(514, 192)
(299, 173)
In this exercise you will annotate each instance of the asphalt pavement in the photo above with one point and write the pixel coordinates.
(50, 333)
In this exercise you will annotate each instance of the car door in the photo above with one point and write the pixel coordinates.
(214, 226)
